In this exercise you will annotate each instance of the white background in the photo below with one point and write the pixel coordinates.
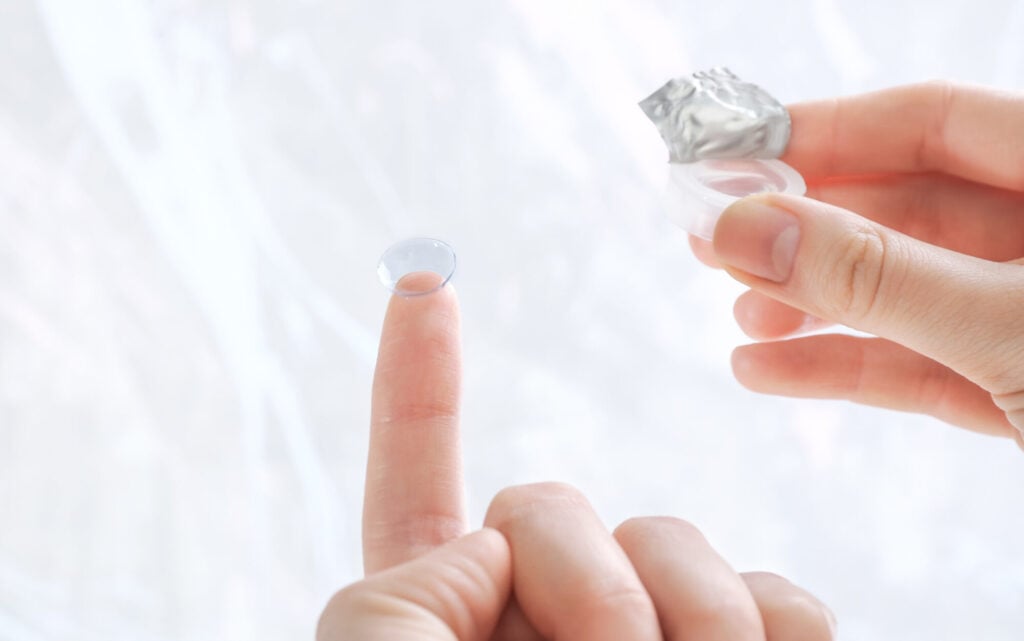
(193, 198)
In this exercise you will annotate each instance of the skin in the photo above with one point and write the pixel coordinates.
(932, 264)
(428, 579)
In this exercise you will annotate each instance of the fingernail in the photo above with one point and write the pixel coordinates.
(757, 238)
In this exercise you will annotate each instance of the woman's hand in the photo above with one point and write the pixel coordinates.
(934, 265)
(572, 579)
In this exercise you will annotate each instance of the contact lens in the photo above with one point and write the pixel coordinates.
(417, 266)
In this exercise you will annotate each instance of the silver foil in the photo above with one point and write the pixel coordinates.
(714, 114)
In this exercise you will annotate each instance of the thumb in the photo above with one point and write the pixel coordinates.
(456, 592)
(962, 311)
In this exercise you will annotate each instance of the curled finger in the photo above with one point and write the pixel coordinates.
(570, 577)
(789, 612)
(698, 596)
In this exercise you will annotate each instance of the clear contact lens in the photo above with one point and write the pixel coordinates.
(416, 266)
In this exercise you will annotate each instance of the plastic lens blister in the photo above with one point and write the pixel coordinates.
(697, 193)
(722, 135)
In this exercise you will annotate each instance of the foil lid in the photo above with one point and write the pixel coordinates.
(714, 114)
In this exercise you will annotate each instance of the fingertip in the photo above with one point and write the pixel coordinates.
(764, 319)
(746, 366)
(432, 315)
(420, 291)
(418, 283)
(704, 251)
(746, 316)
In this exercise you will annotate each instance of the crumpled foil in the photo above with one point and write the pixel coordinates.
(714, 114)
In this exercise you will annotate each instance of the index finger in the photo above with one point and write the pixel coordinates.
(971, 132)
(414, 496)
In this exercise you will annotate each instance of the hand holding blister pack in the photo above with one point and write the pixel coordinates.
(723, 136)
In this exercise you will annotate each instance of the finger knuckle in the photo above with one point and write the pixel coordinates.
(538, 492)
(418, 531)
(802, 612)
(405, 412)
(785, 606)
(512, 501)
(938, 85)
(641, 528)
(769, 580)
(857, 274)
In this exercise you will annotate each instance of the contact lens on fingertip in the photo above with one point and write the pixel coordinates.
(416, 267)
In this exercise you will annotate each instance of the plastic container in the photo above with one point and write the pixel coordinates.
(697, 193)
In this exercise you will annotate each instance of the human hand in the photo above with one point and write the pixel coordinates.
(933, 265)
(652, 578)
